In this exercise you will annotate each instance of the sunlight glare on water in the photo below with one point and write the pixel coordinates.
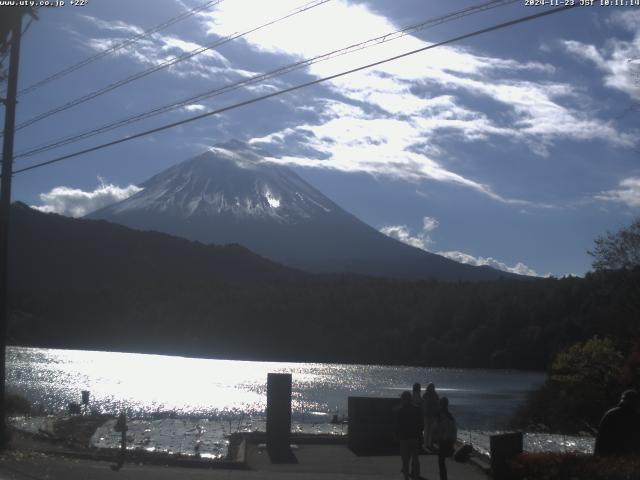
(145, 385)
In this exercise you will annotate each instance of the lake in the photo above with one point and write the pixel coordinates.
(180, 403)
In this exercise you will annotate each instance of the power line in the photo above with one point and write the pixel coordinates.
(298, 87)
(26, 28)
(261, 77)
(265, 76)
(163, 65)
(119, 46)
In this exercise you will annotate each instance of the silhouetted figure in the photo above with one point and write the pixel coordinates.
(619, 430)
(445, 433)
(121, 426)
(85, 399)
(409, 431)
(418, 401)
(430, 409)
(416, 398)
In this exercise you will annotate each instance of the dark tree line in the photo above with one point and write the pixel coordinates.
(91, 284)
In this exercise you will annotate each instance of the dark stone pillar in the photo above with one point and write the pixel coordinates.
(279, 417)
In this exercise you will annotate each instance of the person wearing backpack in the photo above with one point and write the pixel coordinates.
(446, 434)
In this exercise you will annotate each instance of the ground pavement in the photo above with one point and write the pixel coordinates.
(315, 462)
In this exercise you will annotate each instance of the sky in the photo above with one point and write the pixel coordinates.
(515, 148)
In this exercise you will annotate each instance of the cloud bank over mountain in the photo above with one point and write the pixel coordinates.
(423, 241)
(74, 202)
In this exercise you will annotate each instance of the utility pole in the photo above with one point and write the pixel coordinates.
(5, 208)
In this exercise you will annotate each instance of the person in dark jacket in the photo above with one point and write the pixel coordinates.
(409, 432)
(619, 430)
(445, 433)
(416, 398)
(430, 406)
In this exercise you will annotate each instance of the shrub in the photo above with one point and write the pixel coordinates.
(567, 466)
(584, 382)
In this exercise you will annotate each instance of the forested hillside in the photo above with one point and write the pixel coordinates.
(91, 284)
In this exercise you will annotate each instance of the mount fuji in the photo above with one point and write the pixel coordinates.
(229, 194)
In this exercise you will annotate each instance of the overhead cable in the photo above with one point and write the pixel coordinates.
(162, 66)
(118, 46)
(297, 87)
(262, 77)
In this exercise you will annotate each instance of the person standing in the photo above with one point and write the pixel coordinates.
(430, 409)
(418, 401)
(408, 432)
(122, 428)
(416, 398)
(446, 434)
(619, 430)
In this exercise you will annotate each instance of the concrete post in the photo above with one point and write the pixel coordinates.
(279, 416)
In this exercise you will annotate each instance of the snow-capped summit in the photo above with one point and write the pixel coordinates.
(230, 194)
(228, 179)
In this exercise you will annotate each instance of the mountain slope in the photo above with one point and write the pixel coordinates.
(230, 195)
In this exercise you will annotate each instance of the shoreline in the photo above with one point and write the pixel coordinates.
(26, 444)
(76, 435)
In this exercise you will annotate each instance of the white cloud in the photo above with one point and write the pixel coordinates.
(352, 141)
(196, 107)
(182, 46)
(389, 123)
(629, 19)
(157, 49)
(400, 137)
(617, 62)
(429, 224)
(539, 117)
(115, 25)
(519, 268)
(627, 193)
(74, 202)
(402, 233)
(423, 241)
(618, 59)
(299, 35)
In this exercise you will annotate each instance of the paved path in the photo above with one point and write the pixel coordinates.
(315, 462)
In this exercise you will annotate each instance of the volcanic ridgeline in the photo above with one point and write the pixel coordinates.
(229, 194)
